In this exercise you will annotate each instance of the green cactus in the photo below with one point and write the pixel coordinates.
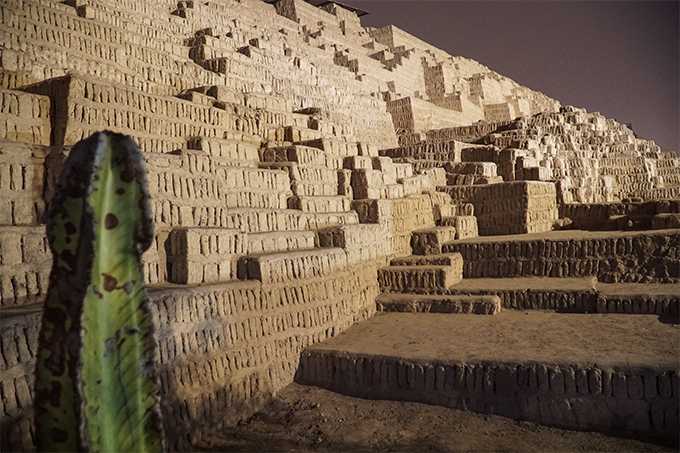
(95, 384)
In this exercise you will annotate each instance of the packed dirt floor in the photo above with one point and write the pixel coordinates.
(516, 336)
(302, 418)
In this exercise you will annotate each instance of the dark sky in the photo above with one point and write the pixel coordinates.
(619, 58)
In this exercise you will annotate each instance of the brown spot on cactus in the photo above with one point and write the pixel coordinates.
(110, 221)
(128, 174)
(110, 282)
(70, 228)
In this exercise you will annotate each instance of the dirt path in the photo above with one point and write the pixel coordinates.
(305, 418)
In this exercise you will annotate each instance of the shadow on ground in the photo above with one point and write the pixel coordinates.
(303, 418)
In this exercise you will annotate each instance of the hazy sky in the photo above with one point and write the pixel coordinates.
(619, 58)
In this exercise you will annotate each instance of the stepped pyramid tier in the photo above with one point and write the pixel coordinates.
(589, 157)
(602, 175)
(306, 172)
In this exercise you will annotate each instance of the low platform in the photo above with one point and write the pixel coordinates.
(607, 372)
(611, 256)
(427, 303)
(576, 294)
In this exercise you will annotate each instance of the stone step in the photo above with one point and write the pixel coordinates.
(368, 183)
(575, 295)
(308, 180)
(637, 298)
(304, 155)
(444, 259)
(335, 146)
(429, 241)
(338, 203)
(246, 178)
(415, 184)
(426, 303)
(304, 172)
(314, 188)
(253, 220)
(300, 134)
(287, 266)
(611, 256)
(225, 151)
(317, 220)
(465, 225)
(517, 207)
(280, 241)
(569, 295)
(481, 169)
(257, 199)
(469, 180)
(619, 374)
(665, 221)
(446, 209)
(417, 278)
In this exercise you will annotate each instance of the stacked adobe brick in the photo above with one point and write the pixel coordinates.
(260, 126)
(255, 280)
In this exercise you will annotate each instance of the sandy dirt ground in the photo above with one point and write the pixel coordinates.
(303, 418)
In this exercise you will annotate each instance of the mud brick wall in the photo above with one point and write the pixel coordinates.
(25, 264)
(361, 243)
(663, 305)
(592, 159)
(660, 193)
(615, 216)
(204, 255)
(223, 349)
(19, 336)
(402, 114)
(464, 133)
(445, 151)
(83, 106)
(642, 257)
(568, 395)
(24, 117)
(416, 115)
(193, 189)
(538, 299)
(509, 208)
(158, 124)
(668, 170)
(399, 217)
(120, 44)
(580, 301)
(21, 183)
(26, 180)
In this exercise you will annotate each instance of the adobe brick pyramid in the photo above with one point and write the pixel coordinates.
(307, 172)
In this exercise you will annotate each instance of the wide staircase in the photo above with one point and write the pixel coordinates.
(583, 332)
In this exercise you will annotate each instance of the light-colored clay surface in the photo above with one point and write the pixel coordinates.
(608, 340)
